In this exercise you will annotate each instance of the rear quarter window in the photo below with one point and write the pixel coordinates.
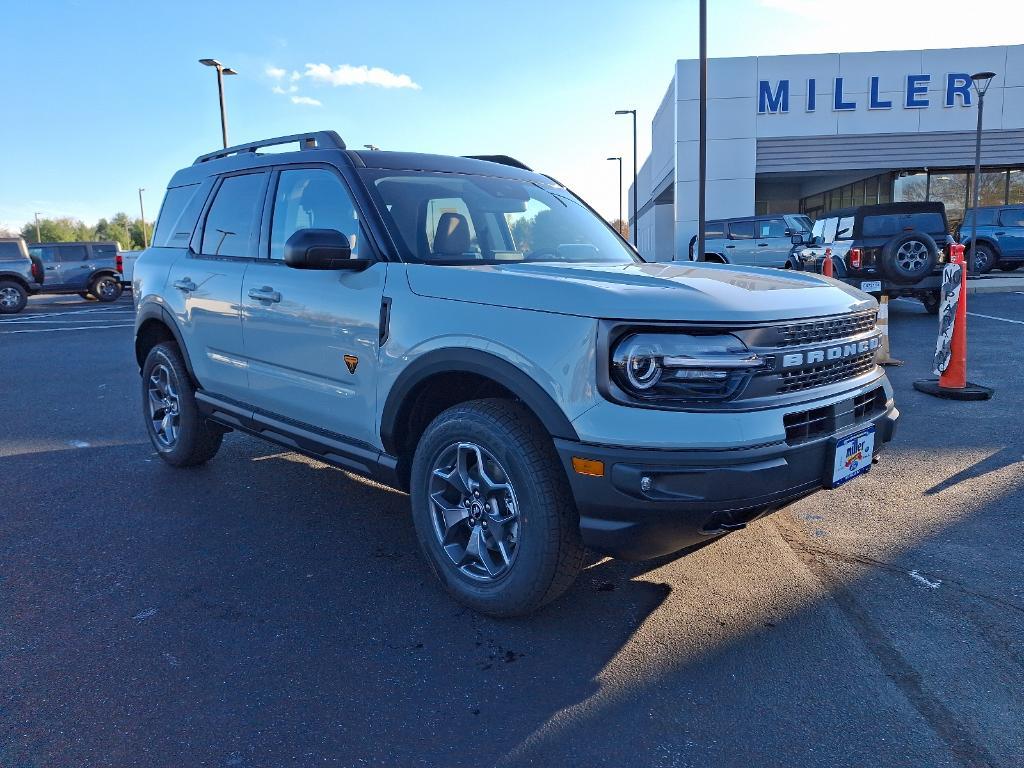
(714, 229)
(104, 251)
(1012, 217)
(892, 224)
(9, 251)
(178, 215)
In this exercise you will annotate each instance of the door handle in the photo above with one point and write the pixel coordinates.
(762, 245)
(730, 246)
(1000, 233)
(185, 284)
(51, 269)
(266, 293)
(86, 266)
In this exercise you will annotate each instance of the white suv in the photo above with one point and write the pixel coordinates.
(472, 332)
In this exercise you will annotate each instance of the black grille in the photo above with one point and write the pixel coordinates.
(813, 331)
(868, 404)
(807, 424)
(825, 373)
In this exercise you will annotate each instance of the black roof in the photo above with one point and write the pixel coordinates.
(882, 209)
(243, 156)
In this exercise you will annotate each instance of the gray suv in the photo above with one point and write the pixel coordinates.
(20, 275)
(754, 241)
(86, 268)
(469, 331)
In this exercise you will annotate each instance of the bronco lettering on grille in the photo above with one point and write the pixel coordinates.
(839, 352)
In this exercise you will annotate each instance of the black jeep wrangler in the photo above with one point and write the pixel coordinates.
(897, 249)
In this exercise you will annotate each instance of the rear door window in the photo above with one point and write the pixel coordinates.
(72, 253)
(986, 217)
(1012, 217)
(231, 220)
(770, 228)
(741, 230)
(714, 229)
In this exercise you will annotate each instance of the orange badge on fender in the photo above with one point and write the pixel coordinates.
(351, 361)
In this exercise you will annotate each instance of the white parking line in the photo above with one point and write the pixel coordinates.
(992, 317)
(102, 310)
(51, 330)
(56, 321)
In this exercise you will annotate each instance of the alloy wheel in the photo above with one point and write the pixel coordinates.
(106, 288)
(9, 297)
(912, 255)
(164, 406)
(474, 511)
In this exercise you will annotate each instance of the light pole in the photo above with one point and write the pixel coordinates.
(142, 213)
(982, 80)
(636, 213)
(702, 143)
(221, 71)
(620, 189)
(38, 238)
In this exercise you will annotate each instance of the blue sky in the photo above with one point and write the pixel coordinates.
(104, 97)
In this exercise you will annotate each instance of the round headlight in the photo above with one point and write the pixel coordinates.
(643, 368)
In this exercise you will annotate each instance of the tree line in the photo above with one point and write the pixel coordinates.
(120, 228)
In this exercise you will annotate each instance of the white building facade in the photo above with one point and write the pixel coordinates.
(811, 133)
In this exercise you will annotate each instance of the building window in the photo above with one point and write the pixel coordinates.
(910, 188)
(991, 191)
(950, 189)
(1015, 186)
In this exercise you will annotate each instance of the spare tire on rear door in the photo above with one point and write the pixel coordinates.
(910, 257)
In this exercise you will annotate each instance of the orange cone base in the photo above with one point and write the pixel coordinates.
(970, 392)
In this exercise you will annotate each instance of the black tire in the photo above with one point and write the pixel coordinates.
(106, 288)
(1010, 267)
(984, 258)
(932, 301)
(548, 550)
(197, 440)
(13, 297)
(909, 258)
(87, 296)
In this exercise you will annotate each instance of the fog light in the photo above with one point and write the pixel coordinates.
(645, 484)
(589, 467)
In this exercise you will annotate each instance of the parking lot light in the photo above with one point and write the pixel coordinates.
(636, 213)
(221, 71)
(981, 80)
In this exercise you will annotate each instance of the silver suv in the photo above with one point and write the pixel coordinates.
(470, 331)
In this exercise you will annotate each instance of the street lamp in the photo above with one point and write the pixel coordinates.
(636, 213)
(702, 143)
(982, 80)
(620, 189)
(221, 71)
(142, 213)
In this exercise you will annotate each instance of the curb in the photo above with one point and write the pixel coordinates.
(996, 285)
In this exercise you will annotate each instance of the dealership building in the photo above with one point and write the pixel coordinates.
(812, 133)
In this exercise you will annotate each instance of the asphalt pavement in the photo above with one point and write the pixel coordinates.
(267, 610)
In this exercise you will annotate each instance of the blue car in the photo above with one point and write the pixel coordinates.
(1000, 237)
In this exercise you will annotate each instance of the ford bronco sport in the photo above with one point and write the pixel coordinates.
(20, 275)
(468, 330)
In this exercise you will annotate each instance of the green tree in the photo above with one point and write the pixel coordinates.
(59, 230)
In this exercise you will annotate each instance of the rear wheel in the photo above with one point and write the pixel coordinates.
(13, 297)
(492, 508)
(180, 434)
(106, 288)
(984, 259)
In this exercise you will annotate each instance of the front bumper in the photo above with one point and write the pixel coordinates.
(696, 495)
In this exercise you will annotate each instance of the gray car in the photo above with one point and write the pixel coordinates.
(753, 241)
(20, 275)
(86, 268)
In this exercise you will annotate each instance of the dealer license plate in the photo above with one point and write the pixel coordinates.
(853, 456)
(871, 286)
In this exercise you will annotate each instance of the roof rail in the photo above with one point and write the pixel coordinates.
(502, 159)
(313, 140)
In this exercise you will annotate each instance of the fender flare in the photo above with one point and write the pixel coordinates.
(983, 240)
(151, 311)
(19, 279)
(463, 360)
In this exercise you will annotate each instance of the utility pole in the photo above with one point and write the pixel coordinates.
(142, 213)
(38, 238)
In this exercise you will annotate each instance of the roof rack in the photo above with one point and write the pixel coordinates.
(502, 159)
(313, 140)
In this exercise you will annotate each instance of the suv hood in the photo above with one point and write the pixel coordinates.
(660, 291)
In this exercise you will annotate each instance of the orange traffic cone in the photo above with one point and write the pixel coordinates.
(951, 348)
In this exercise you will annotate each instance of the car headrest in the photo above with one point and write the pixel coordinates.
(452, 236)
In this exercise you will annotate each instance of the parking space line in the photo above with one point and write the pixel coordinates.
(103, 310)
(79, 328)
(993, 317)
(55, 321)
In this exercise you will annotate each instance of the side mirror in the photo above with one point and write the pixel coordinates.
(321, 249)
(796, 239)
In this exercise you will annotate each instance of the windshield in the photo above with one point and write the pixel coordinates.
(447, 218)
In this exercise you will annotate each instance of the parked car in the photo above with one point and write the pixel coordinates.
(20, 275)
(897, 248)
(126, 265)
(1000, 237)
(86, 268)
(754, 241)
(470, 331)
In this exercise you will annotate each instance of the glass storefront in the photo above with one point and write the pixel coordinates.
(952, 187)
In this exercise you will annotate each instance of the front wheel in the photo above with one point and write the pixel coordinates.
(492, 509)
(106, 288)
(13, 297)
(984, 259)
(180, 434)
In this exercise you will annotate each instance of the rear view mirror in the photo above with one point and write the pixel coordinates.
(321, 249)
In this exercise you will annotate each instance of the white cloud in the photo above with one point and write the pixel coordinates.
(306, 100)
(280, 90)
(346, 74)
(275, 73)
(295, 76)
